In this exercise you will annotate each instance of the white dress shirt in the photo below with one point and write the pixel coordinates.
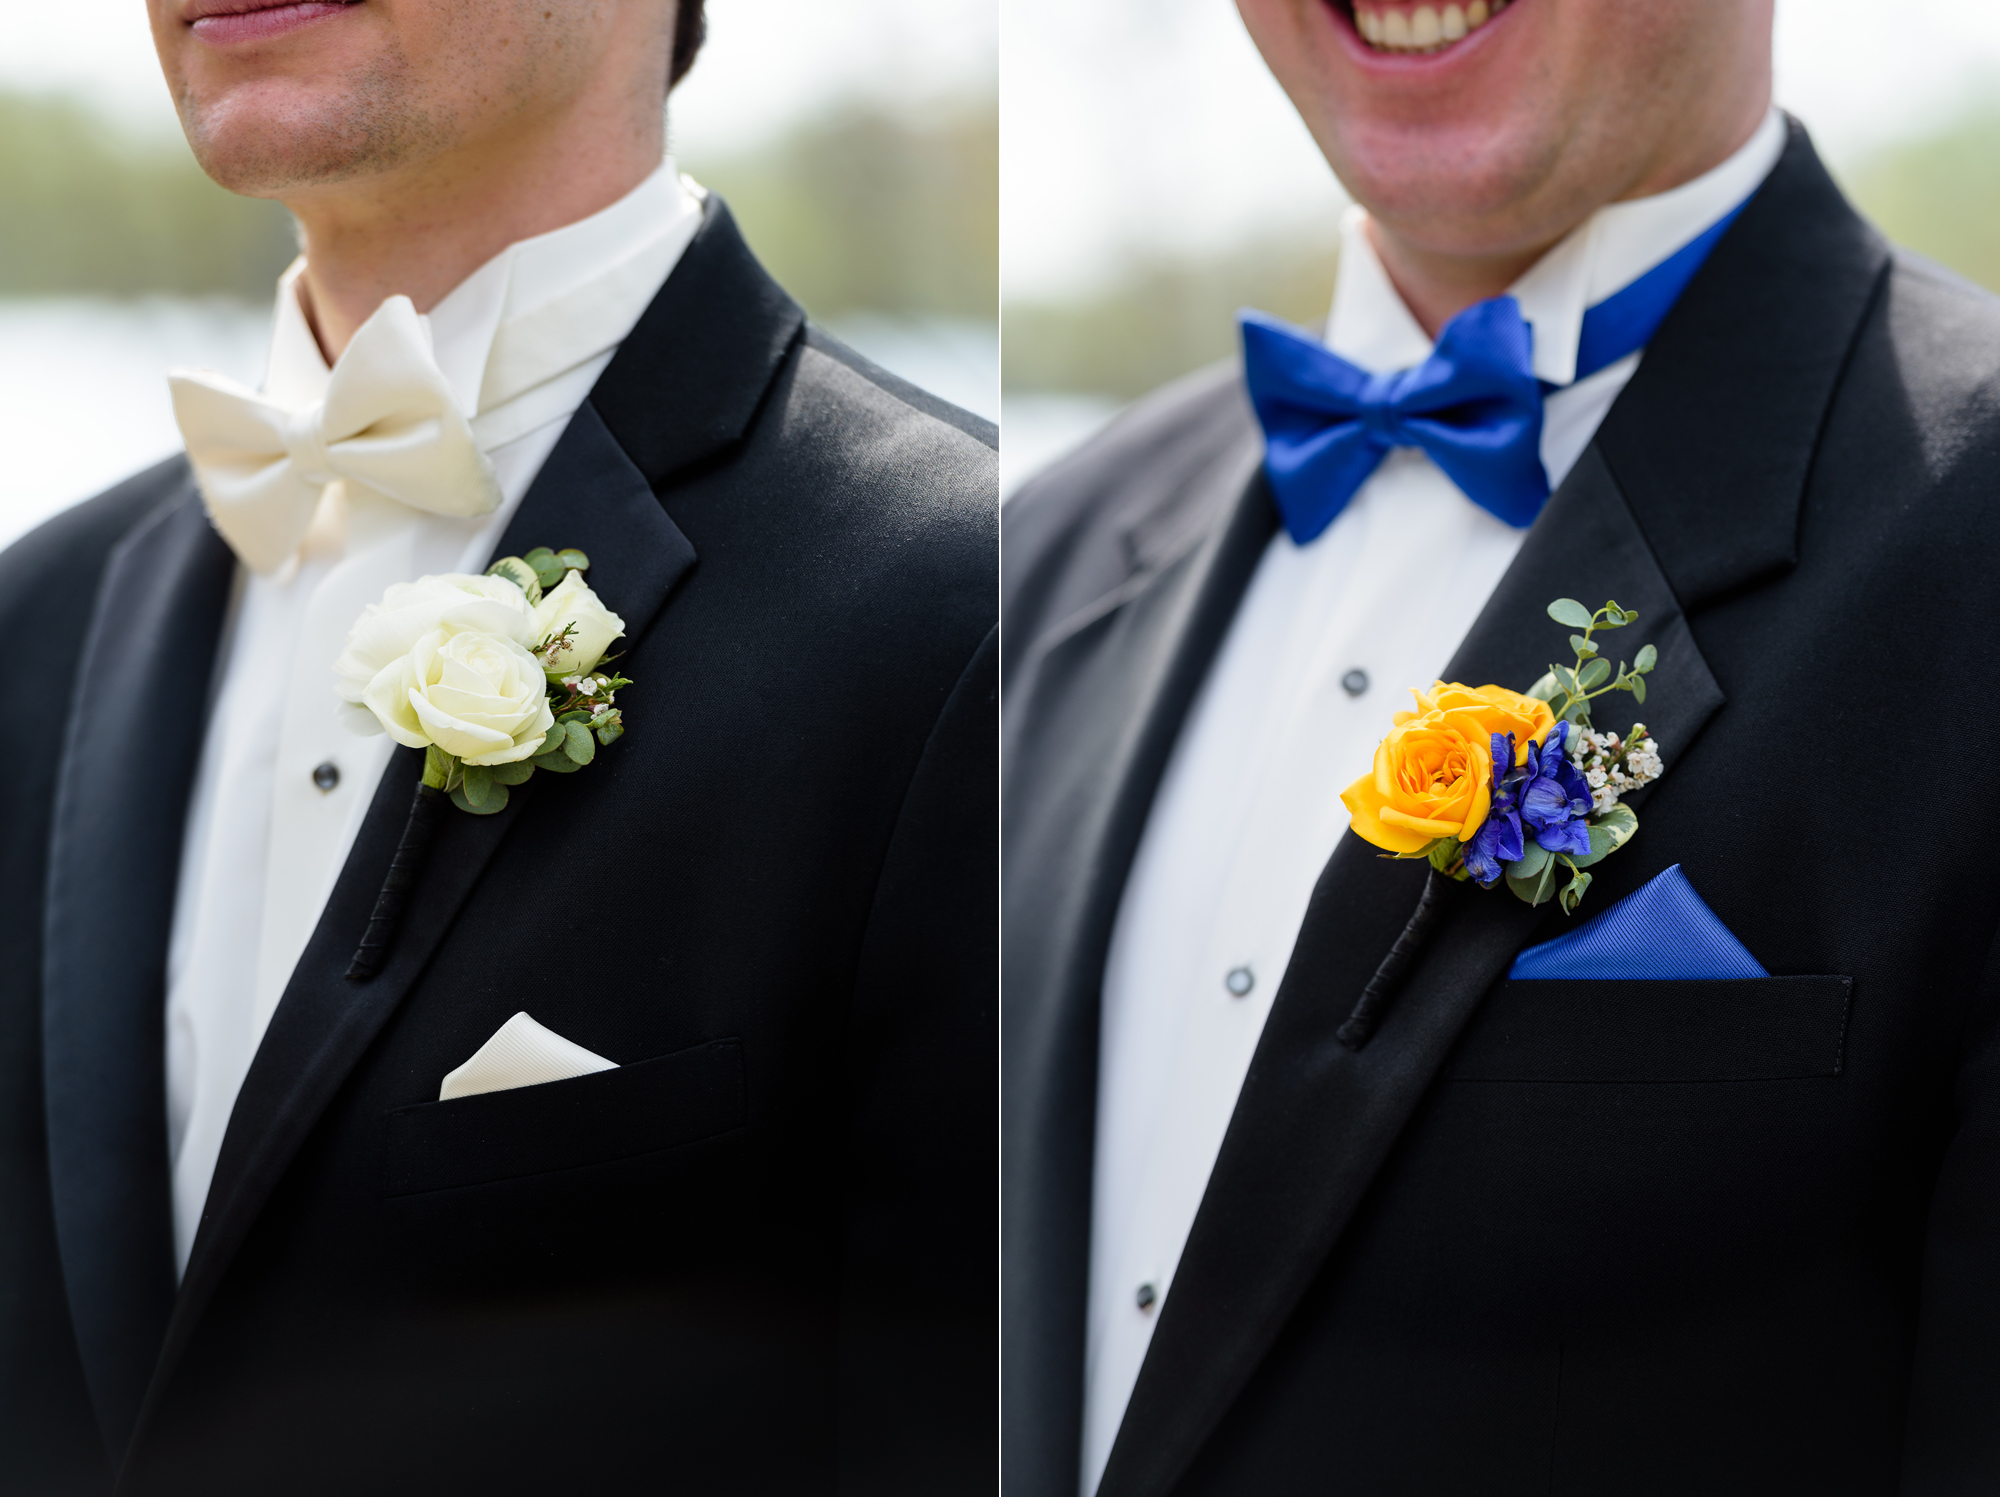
(520, 341)
(1249, 808)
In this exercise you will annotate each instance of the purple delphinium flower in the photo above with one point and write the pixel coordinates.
(1556, 799)
(1498, 839)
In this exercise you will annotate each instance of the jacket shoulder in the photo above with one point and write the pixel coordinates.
(1944, 329)
(74, 545)
(1164, 470)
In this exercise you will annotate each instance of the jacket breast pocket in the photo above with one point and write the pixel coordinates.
(1742, 1029)
(650, 1105)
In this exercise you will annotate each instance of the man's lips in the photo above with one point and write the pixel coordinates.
(1403, 28)
(250, 20)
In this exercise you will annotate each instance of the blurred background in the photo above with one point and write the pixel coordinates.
(856, 140)
(1155, 180)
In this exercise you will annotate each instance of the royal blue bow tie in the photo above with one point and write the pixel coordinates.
(1474, 405)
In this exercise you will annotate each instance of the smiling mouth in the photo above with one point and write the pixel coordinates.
(1414, 29)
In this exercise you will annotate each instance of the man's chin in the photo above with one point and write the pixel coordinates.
(273, 137)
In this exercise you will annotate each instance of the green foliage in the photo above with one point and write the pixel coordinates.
(1568, 689)
(1537, 887)
(517, 571)
(1161, 316)
(1609, 831)
(440, 768)
(863, 210)
(495, 799)
(855, 211)
(88, 208)
(1574, 890)
(1939, 194)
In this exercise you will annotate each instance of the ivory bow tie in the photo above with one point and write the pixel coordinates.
(388, 424)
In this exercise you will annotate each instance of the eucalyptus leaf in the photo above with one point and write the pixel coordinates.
(608, 733)
(1637, 686)
(574, 559)
(1593, 672)
(553, 741)
(1582, 646)
(558, 763)
(518, 572)
(496, 800)
(1573, 892)
(513, 774)
(1569, 611)
(478, 784)
(1545, 690)
(538, 556)
(581, 746)
(574, 715)
(1566, 679)
(1609, 831)
(1648, 658)
(1530, 864)
(1538, 888)
(1616, 617)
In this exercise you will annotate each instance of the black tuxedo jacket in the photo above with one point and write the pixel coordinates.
(756, 1258)
(1581, 1237)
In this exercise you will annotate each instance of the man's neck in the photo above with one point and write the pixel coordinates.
(1438, 285)
(422, 232)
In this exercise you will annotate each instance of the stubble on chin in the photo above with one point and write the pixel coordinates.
(374, 122)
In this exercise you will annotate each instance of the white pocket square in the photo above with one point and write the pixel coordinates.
(521, 1053)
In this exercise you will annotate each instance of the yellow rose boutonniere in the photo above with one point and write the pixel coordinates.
(1433, 774)
(1488, 783)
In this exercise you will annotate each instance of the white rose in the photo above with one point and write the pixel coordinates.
(389, 630)
(479, 696)
(594, 626)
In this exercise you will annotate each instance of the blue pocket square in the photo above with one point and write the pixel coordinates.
(1661, 933)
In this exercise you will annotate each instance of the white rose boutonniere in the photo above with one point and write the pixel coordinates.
(494, 676)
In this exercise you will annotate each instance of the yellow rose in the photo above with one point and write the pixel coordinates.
(1433, 774)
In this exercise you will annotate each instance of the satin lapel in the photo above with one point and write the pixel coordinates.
(1127, 668)
(119, 815)
(1695, 520)
(588, 495)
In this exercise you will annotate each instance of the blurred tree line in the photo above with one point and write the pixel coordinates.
(858, 211)
(1161, 316)
(87, 208)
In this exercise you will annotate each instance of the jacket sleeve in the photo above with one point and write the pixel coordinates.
(919, 1316)
(1952, 1446)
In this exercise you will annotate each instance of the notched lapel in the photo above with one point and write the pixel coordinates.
(1315, 1119)
(591, 496)
(113, 862)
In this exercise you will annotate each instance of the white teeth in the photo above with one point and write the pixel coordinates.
(1424, 29)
